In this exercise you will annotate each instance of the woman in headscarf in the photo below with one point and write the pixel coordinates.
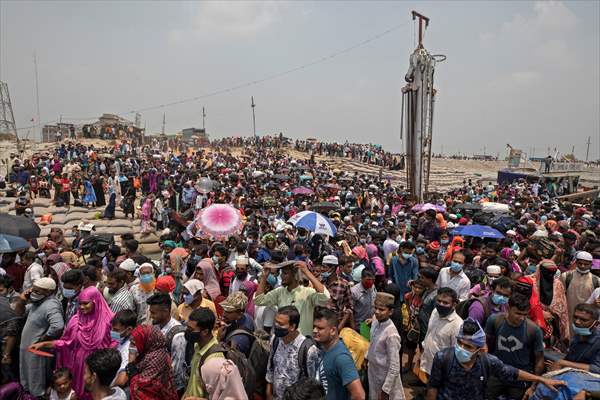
(147, 215)
(109, 211)
(205, 272)
(98, 184)
(508, 254)
(553, 301)
(248, 288)
(87, 330)
(149, 368)
(457, 244)
(89, 198)
(377, 264)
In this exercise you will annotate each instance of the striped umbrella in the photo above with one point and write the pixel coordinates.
(314, 222)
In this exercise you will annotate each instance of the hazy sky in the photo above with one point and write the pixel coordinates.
(524, 73)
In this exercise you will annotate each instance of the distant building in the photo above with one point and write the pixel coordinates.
(194, 133)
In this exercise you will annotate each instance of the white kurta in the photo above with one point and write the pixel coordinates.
(384, 361)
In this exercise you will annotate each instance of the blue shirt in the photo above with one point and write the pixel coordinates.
(401, 273)
(586, 352)
(336, 370)
(453, 382)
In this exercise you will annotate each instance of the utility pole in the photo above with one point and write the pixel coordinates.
(253, 118)
(418, 102)
(203, 120)
(37, 93)
(587, 153)
(163, 125)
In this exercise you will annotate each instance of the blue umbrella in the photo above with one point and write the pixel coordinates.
(481, 231)
(10, 243)
(313, 222)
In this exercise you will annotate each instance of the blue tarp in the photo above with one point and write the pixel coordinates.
(576, 382)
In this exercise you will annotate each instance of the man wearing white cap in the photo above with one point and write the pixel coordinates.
(44, 322)
(580, 283)
(241, 274)
(339, 289)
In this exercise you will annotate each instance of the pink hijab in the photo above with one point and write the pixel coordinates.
(84, 334)
(91, 331)
(250, 289)
(211, 283)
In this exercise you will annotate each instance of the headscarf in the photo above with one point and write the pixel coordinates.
(375, 260)
(165, 284)
(547, 275)
(360, 252)
(70, 258)
(250, 289)
(211, 283)
(155, 377)
(223, 379)
(505, 253)
(170, 243)
(476, 339)
(457, 244)
(177, 256)
(55, 258)
(60, 268)
(84, 334)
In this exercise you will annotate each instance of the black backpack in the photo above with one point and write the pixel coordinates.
(241, 362)
(462, 309)
(307, 343)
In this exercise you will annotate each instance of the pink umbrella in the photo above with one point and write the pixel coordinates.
(301, 190)
(218, 221)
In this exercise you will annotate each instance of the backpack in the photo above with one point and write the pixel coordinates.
(258, 359)
(241, 362)
(569, 278)
(179, 328)
(462, 309)
(306, 344)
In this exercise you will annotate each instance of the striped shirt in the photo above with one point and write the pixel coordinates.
(122, 300)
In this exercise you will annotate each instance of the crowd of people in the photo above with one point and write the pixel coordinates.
(395, 298)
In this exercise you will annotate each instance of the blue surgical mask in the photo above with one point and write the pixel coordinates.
(116, 336)
(325, 276)
(531, 269)
(498, 299)
(406, 255)
(462, 355)
(581, 331)
(420, 250)
(444, 241)
(146, 278)
(456, 267)
(188, 299)
(69, 293)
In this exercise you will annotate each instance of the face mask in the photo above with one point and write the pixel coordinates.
(146, 278)
(581, 331)
(215, 260)
(272, 281)
(36, 297)
(188, 299)
(368, 284)
(462, 355)
(531, 269)
(444, 241)
(279, 331)
(443, 310)
(420, 250)
(69, 293)
(406, 255)
(582, 271)
(363, 241)
(191, 336)
(325, 276)
(498, 299)
(241, 276)
(116, 336)
(456, 267)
